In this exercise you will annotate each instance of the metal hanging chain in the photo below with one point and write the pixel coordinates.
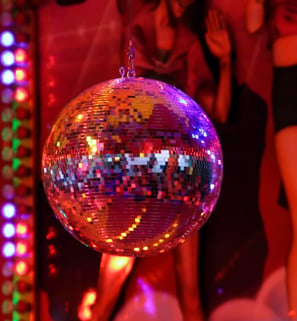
(131, 51)
(131, 55)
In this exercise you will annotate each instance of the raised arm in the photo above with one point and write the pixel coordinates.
(219, 44)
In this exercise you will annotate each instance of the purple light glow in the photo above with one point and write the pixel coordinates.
(7, 58)
(6, 19)
(7, 95)
(149, 305)
(8, 191)
(7, 38)
(8, 230)
(8, 269)
(7, 77)
(8, 210)
(8, 249)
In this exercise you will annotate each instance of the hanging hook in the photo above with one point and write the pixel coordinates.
(122, 71)
(131, 51)
(131, 55)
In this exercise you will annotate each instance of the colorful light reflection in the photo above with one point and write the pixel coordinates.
(20, 55)
(20, 75)
(8, 210)
(7, 96)
(7, 58)
(21, 94)
(7, 38)
(8, 249)
(8, 230)
(21, 268)
(22, 248)
(7, 77)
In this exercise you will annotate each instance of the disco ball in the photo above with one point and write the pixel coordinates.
(132, 166)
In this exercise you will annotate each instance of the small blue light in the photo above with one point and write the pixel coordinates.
(8, 268)
(7, 77)
(7, 38)
(196, 136)
(7, 95)
(7, 58)
(8, 230)
(220, 291)
(203, 132)
(182, 101)
(8, 210)
(8, 249)
(6, 19)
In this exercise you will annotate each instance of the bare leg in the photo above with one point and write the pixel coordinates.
(186, 264)
(113, 272)
(286, 148)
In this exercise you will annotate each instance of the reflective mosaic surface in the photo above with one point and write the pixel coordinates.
(132, 166)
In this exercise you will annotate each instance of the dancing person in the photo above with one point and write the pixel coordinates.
(282, 27)
(283, 32)
(166, 49)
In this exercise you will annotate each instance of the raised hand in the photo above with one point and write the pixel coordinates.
(217, 36)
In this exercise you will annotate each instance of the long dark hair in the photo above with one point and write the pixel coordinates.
(123, 5)
(193, 17)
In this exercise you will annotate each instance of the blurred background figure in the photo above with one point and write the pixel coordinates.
(283, 33)
(166, 49)
(282, 25)
(254, 15)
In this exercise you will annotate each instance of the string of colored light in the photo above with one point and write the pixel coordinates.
(17, 162)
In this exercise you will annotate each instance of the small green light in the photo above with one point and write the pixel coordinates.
(58, 144)
(15, 144)
(16, 297)
(15, 124)
(15, 163)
